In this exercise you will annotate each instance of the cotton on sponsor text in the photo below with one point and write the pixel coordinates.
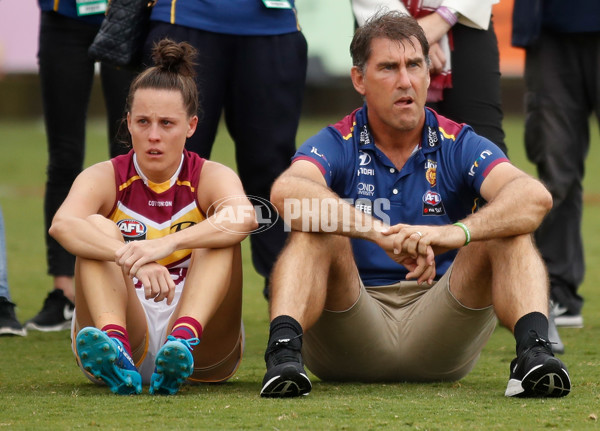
(160, 203)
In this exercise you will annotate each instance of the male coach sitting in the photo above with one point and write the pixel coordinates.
(357, 294)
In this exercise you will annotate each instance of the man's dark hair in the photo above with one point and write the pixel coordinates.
(392, 25)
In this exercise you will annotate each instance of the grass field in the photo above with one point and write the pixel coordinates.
(42, 388)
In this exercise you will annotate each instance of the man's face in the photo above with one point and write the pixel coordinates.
(394, 84)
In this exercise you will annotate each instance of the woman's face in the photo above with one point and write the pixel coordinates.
(159, 126)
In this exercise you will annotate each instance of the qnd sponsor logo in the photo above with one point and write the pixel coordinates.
(432, 204)
(132, 230)
(365, 189)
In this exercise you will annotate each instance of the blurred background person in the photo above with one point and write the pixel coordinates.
(251, 67)
(67, 29)
(9, 325)
(562, 80)
(465, 73)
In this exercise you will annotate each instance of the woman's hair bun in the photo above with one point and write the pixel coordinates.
(175, 57)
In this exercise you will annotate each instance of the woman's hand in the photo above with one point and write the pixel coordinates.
(157, 282)
(133, 255)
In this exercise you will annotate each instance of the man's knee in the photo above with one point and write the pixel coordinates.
(487, 251)
(317, 246)
(316, 239)
(510, 246)
(483, 260)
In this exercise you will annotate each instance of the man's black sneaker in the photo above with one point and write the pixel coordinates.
(285, 376)
(55, 315)
(9, 325)
(537, 373)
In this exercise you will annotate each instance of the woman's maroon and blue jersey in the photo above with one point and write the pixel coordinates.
(147, 210)
(438, 185)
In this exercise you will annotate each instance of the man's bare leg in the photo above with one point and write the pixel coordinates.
(510, 274)
(314, 272)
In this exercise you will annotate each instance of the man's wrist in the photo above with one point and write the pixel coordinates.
(466, 231)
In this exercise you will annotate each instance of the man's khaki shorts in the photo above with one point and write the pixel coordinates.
(400, 332)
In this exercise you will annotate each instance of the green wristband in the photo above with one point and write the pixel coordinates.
(466, 230)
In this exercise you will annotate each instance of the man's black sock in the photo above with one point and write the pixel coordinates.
(534, 321)
(285, 328)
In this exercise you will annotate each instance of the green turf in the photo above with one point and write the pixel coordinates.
(42, 388)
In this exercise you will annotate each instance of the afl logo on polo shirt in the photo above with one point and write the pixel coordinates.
(132, 230)
(432, 204)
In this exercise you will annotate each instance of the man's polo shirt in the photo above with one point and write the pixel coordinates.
(438, 185)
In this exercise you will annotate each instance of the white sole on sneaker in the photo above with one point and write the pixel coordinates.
(12, 331)
(569, 321)
(553, 382)
(55, 328)
(288, 382)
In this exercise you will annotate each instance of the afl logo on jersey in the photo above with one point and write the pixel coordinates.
(432, 198)
(132, 230)
(432, 204)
